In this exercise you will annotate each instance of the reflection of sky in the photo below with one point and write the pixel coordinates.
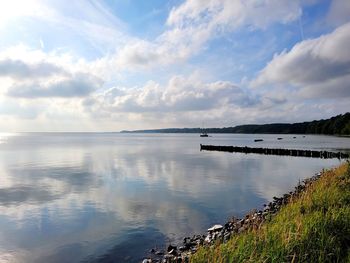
(105, 196)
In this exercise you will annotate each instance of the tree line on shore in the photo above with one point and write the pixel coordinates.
(337, 125)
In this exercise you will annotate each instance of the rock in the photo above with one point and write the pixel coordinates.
(185, 239)
(170, 248)
(182, 248)
(199, 241)
(208, 239)
(188, 246)
(198, 237)
(215, 228)
(159, 253)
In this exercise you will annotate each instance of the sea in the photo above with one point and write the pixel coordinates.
(111, 197)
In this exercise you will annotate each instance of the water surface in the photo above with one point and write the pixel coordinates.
(109, 197)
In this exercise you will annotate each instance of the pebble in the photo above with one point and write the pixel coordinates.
(215, 228)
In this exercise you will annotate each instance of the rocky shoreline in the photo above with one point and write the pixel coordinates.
(221, 233)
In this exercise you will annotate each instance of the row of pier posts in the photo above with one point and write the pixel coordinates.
(271, 151)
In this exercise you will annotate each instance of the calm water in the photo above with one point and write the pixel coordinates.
(112, 197)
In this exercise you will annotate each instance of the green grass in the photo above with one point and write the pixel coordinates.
(314, 227)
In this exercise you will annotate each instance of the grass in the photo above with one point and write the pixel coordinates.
(314, 227)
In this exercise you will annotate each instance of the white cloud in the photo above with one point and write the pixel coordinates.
(339, 12)
(192, 24)
(79, 85)
(234, 13)
(21, 62)
(34, 74)
(20, 70)
(179, 95)
(320, 67)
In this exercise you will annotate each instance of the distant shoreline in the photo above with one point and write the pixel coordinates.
(338, 125)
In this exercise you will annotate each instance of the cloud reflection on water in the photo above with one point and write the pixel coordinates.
(90, 198)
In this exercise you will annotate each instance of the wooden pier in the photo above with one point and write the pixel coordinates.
(271, 151)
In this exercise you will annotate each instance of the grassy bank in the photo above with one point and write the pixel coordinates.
(314, 227)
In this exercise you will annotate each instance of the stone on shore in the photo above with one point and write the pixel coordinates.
(215, 228)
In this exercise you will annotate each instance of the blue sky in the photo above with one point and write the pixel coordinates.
(113, 65)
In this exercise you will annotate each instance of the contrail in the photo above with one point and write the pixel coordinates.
(301, 28)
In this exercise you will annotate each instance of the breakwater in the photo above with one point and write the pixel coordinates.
(274, 151)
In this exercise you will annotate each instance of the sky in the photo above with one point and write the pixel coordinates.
(89, 65)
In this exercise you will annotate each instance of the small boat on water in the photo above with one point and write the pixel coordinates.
(279, 138)
(204, 134)
(258, 140)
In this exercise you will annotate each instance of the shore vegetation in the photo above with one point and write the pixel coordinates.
(313, 227)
